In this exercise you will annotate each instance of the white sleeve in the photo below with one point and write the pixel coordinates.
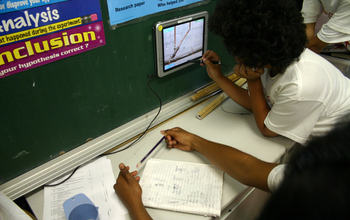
(329, 35)
(337, 29)
(311, 10)
(294, 119)
(275, 177)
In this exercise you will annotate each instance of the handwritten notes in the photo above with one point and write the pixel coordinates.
(181, 186)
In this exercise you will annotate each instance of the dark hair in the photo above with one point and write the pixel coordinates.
(299, 4)
(260, 32)
(317, 181)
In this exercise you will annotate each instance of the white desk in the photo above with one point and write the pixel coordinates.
(238, 131)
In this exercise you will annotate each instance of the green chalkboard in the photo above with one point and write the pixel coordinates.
(58, 106)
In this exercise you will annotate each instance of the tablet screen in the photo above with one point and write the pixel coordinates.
(180, 40)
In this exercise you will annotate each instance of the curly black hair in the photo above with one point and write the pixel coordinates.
(260, 32)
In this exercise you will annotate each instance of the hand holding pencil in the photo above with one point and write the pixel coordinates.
(178, 138)
(175, 138)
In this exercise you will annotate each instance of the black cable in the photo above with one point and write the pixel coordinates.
(142, 135)
(138, 139)
(64, 179)
(234, 113)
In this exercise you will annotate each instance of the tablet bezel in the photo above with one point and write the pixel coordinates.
(158, 32)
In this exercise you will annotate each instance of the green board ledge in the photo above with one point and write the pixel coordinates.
(67, 162)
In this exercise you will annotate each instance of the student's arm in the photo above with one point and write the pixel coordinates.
(236, 93)
(314, 43)
(259, 105)
(129, 192)
(254, 101)
(239, 165)
(310, 30)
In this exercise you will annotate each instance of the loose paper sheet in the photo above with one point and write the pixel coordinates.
(96, 181)
(181, 186)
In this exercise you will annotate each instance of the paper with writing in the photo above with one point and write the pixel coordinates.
(182, 186)
(96, 181)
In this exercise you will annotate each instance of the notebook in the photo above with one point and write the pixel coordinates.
(182, 186)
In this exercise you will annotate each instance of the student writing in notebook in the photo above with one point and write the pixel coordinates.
(315, 184)
(292, 91)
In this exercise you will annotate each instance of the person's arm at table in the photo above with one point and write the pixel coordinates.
(129, 192)
(259, 105)
(255, 101)
(236, 93)
(241, 166)
(314, 43)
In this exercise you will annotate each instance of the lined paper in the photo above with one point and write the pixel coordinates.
(182, 186)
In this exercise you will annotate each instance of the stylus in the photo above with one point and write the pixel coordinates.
(201, 61)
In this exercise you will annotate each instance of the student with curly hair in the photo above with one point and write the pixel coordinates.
(292, 91)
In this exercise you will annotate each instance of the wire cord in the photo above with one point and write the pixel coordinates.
(134, 142)
(143, 134)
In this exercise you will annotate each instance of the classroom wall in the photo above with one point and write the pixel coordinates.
(56, 107)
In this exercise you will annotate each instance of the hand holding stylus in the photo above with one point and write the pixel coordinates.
(214, 71)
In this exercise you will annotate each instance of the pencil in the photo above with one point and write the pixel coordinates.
(139, 164)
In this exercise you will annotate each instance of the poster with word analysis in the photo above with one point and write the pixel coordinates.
(37, 33)
(123, 11)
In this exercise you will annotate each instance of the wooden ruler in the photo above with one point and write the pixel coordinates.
(211, 88)
(217, 101)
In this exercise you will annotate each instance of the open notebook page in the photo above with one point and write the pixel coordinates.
(182, 186)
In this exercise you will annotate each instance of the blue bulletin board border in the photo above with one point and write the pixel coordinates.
(15, 5)
(122, 13)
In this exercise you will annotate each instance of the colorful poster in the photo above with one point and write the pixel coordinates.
(40, 35)
(14, 5)
(122, 11)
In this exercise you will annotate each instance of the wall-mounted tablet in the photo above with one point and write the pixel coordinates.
(179, 40)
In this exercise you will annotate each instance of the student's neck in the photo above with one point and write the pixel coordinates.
(272, 70)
